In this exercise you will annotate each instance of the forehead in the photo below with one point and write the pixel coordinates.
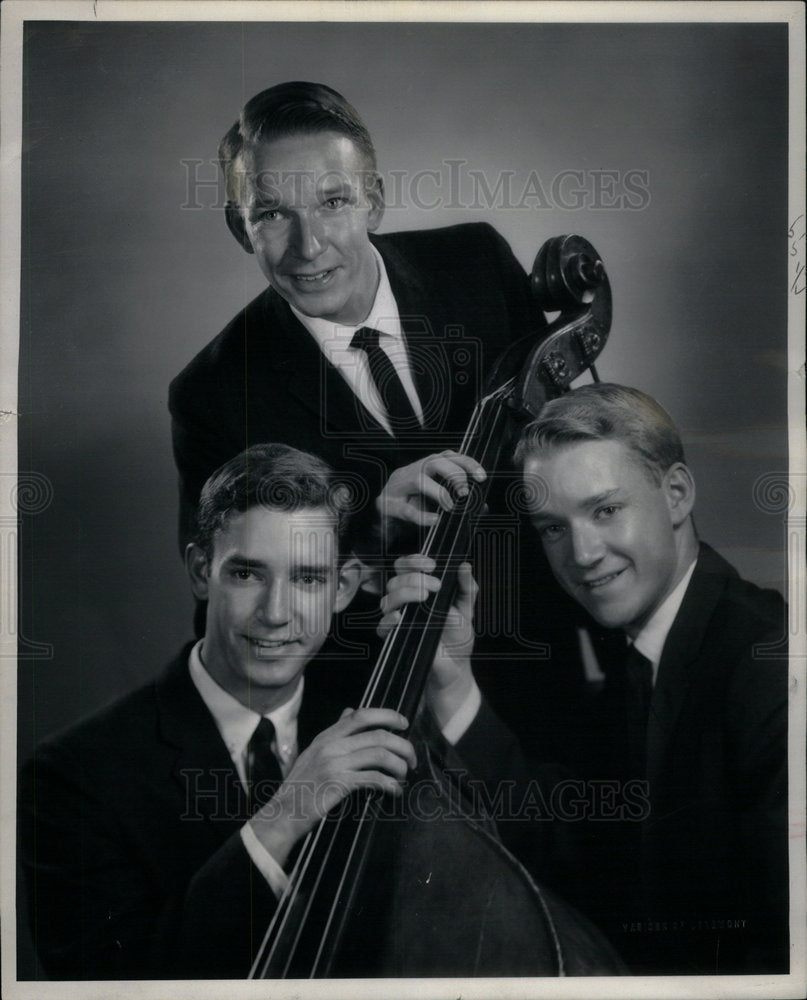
(571, 474)
(278, 536)
(309, 157)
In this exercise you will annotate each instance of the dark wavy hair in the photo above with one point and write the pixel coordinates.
(604, 411)
(275, 477)
(291, 108)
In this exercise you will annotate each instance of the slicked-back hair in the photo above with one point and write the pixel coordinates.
(273, 477)
(604, 411)
(292, 108)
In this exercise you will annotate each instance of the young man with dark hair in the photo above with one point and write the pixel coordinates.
(681, 856)
(154, 835)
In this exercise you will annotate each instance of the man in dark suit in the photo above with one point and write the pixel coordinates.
(675, 838)
(305, 197)
(149, 846)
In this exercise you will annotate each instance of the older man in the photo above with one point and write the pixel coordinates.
(367, 350)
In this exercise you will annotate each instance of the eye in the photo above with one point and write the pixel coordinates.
(550, 532)
(269, 215)
(242, 574)
(311, 580)
(334, 203)
(603, 513)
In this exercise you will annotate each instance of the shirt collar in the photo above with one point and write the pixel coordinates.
(650, 640)
(235, 721)
(383, 316)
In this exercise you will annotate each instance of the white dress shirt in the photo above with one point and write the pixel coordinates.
(650, 640)
(237, 723)
(334, 340)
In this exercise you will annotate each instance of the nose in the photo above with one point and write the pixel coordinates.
(307, 236)
(274, 608)
(586, 547)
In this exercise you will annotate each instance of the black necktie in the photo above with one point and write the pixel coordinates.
(393, 395)
(263, 771)
(638, 694)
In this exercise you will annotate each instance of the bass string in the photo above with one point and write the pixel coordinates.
(481, 411)
(336, 904)
(431, 611)
(297, 879)
(305, 859)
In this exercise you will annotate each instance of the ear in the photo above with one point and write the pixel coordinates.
(350, 576)
(196, 567)
(679, 489)
(235, 223)
(375, 195)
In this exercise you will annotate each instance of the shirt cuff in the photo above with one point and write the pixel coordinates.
(264, 862)
(458, 724)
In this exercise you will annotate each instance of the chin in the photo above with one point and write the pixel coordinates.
(610, 618)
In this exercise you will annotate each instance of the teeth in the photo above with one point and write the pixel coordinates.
(308, 278)
(602, 581)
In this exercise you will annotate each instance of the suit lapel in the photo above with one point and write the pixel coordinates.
(201, 763)
(444, 365)
(311, 379)
(676, 671)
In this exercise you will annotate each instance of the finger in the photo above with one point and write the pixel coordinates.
(375, 781)
(411, 593)
(467, 464)
(377, 758)
(445, 473)
(387, 623)
(456, 470)
(467, 590)
(434, 490)
(378, 748)
(405, 510)
(448, 470)
(417, 561)
(412, 579)
(371, 718)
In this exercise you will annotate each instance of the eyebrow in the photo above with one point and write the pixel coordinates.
(337, 186)
(261, 202)
(267, 195)
(586, 504)
(240, 561)
(600, 497)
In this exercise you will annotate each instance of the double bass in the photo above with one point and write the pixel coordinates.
(430, 890)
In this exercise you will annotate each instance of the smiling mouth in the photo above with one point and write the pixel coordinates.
(312, 280)
(601, 581)
(266, 646)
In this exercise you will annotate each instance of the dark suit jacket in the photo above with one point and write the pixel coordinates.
(129, 833)
(462, 298)
(700, 885)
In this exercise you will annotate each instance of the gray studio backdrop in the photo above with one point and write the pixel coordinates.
(665, 145)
